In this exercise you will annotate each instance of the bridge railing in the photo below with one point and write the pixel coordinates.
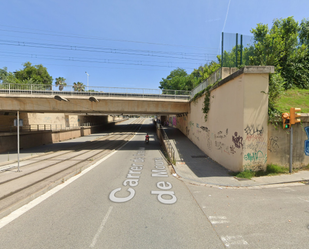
(104, 91)
(42, 127)
(166, 143)
(214, 77)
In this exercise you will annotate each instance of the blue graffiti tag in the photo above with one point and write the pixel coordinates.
(307, 142)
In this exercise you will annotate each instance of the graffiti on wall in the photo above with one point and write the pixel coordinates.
(220, 134)
(174, 121)
(237, 140)
(255, 157)
(273, 145)
(307, 141)
(256, 147)
(254, 130)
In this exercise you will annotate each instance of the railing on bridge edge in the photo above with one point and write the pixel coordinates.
(166, 143)
(214, 77)
(10, 88)
(42, 127)
(39, 89)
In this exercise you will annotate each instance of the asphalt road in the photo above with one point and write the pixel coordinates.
(131, 200)
(159, 212)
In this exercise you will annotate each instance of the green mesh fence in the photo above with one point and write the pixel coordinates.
(236, 49)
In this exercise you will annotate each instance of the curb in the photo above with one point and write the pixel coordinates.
(220, 186)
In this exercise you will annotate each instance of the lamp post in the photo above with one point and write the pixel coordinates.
(87, 81)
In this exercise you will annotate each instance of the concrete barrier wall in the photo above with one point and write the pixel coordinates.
(279, 144)
(8, 141)
(235, 133)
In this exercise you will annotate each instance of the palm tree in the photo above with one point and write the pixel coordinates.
(60, 81)
(79, 86)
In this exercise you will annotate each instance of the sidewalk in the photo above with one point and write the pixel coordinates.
(195, 166)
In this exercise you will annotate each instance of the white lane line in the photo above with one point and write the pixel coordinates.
(218, 219)
(233, 240)
(15, 214)
(94, 241)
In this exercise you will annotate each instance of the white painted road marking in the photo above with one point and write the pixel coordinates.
(15, 214)
(233, 240)
(94, 241)
(218, 219)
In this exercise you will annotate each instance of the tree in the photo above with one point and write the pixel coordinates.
(60, 81)
(7, 77)
(36, 74)
(79, 87)
(176, 80)
(304, 32)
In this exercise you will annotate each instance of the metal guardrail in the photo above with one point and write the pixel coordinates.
(166, 143)
(35, 89)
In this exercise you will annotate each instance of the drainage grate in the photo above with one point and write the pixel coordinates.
(201, 156)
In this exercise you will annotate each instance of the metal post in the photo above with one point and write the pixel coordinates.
(222, 49)
(18, 141)
(236, 49)
(241, 48)
(291, 149)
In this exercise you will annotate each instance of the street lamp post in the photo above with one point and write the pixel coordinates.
(87, 81)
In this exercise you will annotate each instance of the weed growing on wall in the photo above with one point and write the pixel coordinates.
(206, 92)
(276, 88)
(206, 106)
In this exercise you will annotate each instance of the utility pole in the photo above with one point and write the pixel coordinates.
(87, 81)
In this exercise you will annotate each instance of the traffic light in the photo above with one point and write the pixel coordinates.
(294, 117)
(286, 120)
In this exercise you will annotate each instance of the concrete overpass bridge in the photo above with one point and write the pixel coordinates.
(105, 100)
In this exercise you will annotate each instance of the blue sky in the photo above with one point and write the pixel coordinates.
(127, 43)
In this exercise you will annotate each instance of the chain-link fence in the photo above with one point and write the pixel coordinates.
(235, 49)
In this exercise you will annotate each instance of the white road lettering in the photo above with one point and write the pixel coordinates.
(165, 197)
(164, 185)
(163, 200)
(132, 179)
(113, 198)
(159, 173)
(132, 182)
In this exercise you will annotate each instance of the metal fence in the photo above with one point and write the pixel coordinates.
(214, 77)
(235, 49)
(166, 143)
(42, 127)
(37, 89)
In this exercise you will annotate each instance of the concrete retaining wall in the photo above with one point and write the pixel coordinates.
(8, 140)
(235, 133)
(278, 144)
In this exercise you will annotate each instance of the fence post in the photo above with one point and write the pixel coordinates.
(241, 49)
(236, 49)
(222, 49)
